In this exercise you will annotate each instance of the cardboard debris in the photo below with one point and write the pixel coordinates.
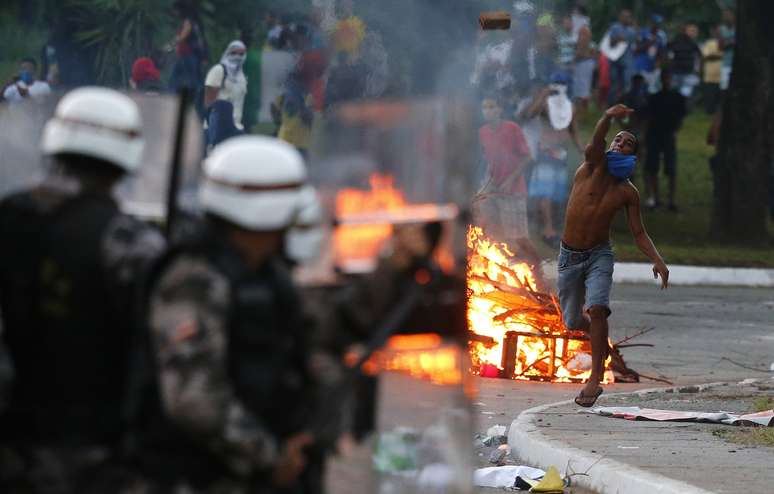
(765, 418)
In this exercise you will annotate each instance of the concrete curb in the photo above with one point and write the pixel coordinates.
(605, 475)
(635, 272)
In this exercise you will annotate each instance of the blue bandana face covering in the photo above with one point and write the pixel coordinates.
(26, 76)
(621, 165)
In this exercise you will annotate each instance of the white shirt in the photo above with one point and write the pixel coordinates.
(37, 90)
(229, 90)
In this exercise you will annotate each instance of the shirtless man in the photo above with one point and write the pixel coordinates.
(600, 189)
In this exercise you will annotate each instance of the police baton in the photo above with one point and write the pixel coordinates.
(173, 187)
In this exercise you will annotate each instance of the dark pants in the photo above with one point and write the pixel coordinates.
(658, 145)
(617, 81)
(710, 95)
(186, 73)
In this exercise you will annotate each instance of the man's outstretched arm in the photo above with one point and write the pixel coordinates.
(642, 239)
(596, 149)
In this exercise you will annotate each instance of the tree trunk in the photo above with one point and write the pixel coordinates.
(747, 130)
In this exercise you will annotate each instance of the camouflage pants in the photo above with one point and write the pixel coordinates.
(28, 469)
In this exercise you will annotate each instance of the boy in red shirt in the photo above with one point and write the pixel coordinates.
(500, 207)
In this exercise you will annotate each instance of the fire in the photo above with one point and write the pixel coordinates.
(422, 356)
(518, 331)
(366, 219)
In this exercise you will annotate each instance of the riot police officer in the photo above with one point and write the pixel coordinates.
(227, 332)
(70, 264)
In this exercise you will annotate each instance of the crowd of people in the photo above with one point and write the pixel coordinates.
(543, 73)
(303, 64)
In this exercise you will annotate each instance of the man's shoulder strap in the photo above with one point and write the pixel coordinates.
(225, 74)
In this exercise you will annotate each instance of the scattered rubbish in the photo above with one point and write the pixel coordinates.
(498, 456)
(488, 413)
(496, 430)
(522, 484)
(396, 450)
(489, 370)
(765, 418)
(504, 476)
(628, 447)
(771, 368)
(580, 362)
(551, 483)
(478, 440)
(688, 389)
(495, 440)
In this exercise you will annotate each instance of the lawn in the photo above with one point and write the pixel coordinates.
(682, 237)
(753, 436)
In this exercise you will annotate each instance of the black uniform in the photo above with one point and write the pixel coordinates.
(69, 266)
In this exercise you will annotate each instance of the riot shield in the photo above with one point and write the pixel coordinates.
(143, 193)
(382, 163)
(382, 168)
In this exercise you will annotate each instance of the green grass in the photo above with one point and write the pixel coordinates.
(763, 403)
(749, 436)
(682, 237)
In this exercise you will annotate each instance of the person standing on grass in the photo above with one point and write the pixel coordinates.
(727, 40)
(686, 60)
(501, 204)
(548, 183)
(583, 72)
(227, 81)
(713, 62)
(665, 112)
(600, 189)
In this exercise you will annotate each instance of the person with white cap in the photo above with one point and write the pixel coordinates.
(70, 265)
(226, 324)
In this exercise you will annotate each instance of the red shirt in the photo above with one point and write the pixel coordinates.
(505, 149)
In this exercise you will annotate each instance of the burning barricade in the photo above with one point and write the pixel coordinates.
(516, 331)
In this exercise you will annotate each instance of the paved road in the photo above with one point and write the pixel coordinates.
(695, 329)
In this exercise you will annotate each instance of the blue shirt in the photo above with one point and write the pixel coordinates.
(649, 45)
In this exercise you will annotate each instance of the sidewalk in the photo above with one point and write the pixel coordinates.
(636, 272)
(638, 457)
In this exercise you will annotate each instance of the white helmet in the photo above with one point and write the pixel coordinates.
(99, 123)
(255, 182)
(305, 238)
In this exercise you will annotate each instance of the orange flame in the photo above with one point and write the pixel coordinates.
(362, 242)
(367, 218)
(504, 308)
(422, 356)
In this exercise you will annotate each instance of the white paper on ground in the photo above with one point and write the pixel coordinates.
(496, 430)
(504, 476)
(765, 418)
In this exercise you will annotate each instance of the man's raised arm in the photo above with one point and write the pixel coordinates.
(596, 149)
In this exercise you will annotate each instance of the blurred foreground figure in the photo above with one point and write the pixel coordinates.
(227, 330)
(70, 264)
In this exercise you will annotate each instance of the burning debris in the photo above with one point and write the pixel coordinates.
(365, 219)
(517, 332)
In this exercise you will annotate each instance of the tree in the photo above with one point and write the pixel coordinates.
(747, 131)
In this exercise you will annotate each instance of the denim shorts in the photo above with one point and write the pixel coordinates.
(585, 280)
